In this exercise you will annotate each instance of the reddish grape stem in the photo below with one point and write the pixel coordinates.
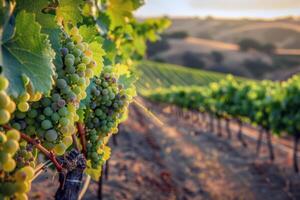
(49, 154)
(81, 131)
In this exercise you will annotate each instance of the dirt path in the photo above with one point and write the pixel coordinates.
(173, 162)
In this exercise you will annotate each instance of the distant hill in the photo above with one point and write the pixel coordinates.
(195, 42)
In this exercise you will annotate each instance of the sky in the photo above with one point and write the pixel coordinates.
(221, 8)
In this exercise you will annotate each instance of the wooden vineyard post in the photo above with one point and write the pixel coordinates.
(240, 134)
(258, 143)
(219, 126)
(295, 153)
(270, 145)
(227, 124)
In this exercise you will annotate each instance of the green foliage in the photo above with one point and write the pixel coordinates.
(28, 53)
(50, 56)
(155, 75)
(270, 105)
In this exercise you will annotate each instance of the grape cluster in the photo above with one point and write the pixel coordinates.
(52, 119)
(108, 103)
(7, 106)
(15, 179)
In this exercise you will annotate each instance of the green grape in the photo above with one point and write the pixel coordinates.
(48, 111)
(9, 165)
(77, 52)
(21, 176)
(74, 78)
(3, 138)
(11, 107)
(55, 97)
(32, 113)
(61, 83)
(3, 83)
(81, 67)
(60, 149)
(81, 46)
(69, 62)
(70, 46)
(55, 117)
(4, 116)
(63, 112)
(70, 56)
(22, 187)
(64, 121)
(46, 102)
(41, 117)
(16, 125)
(11, 146)
(29, 172)
(3, 157)
(86, 60)
(51, 135)
(46, 124)
(13, 135)
(77, 90)
(68, 141)
(77, 38)
(4, 99)
(81, 82)
(77, 60)
(24, 97)
(20, 115)
(89, 73)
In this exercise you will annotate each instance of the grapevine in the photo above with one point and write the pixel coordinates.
(266, 105)
(65, 85)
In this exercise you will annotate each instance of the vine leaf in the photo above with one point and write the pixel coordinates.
(120, 10)
(69, 11)
(90, 34)
(48, 23)
(27, 53)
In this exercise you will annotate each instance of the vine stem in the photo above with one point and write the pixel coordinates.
(49, 154)
(81, 131)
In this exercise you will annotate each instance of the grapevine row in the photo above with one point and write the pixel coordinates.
(270, 106)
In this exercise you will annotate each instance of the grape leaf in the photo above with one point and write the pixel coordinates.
(89, 34)
(69, 11)
(120, 11)
(36, 7)
(27, 53)
(98, 54)
(47, 21)
(103, 22)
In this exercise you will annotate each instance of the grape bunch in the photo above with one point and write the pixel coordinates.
(7, 105)
(15, 179)
(52, 119)
(75, 76)
(108, 103)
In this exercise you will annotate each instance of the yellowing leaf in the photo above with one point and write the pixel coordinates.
(69, 11)
(98, 54)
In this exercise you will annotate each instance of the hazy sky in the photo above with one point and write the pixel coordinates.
(221, 8)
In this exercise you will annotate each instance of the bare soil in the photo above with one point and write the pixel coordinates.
(181, 160)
